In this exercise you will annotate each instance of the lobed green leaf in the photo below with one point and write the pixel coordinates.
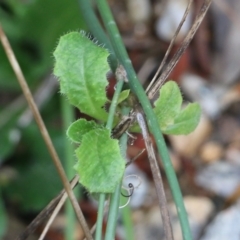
(100, 163)
(168, 104)
(186, 121)
(80, 127)
(81, 67)
(123, 96)
(172, 119)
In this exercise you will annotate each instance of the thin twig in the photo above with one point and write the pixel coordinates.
(156, 176)
(136, 157)
(58, 207)
(181, 50)
(171, 45)
(27, 93)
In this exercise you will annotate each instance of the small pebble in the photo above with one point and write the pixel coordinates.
(211, 152)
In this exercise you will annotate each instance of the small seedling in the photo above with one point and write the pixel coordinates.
(82, 67)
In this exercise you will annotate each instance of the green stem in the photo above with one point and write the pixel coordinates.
(115, 197)
(136, 87)
(68, 118)
(113, 213)
(94, 26)
(127, 222)
(96, 29)
(109, 125)
(100, 215)
(113, 105)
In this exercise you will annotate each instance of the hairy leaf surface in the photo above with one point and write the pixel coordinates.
(100, 163)
(172, 119)
(80, 127)
(168, 104)
(186, 121)
(81, 67)
(123, 95)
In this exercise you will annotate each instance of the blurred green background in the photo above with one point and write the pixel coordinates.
(33, 28)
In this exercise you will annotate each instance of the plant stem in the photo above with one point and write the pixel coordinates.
(115, 197)
(68, 118)
(96, 29)
(113, 213)
(127, 222)
(94, 26)
(100, 215)
(113, 105)
(156, 176)
(136, 87)
(202, 12)
(109, 125)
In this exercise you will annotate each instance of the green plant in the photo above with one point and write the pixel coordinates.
(173, 122)
(83, 80)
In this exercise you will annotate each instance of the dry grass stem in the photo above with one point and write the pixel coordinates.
(156, 176)
(170, 46)
(58, 208)
(181, 50)
(27, 93)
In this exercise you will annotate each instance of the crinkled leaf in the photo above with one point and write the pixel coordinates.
(100, 163)
(186, 121)
(172, 119)
(77, 129)
(168, 104)
(82, 67)
(123, 95)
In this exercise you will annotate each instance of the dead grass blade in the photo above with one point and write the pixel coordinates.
(58, 208)
(27, 93)
(156, 176)
(181, 50)
(170, 46)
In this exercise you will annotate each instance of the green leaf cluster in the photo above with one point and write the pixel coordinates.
(171, 117)
(81, 67)
(100, 163)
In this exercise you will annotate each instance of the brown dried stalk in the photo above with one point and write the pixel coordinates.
(156, 176)
(181, 50)
(27, 93)
(170, 46)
